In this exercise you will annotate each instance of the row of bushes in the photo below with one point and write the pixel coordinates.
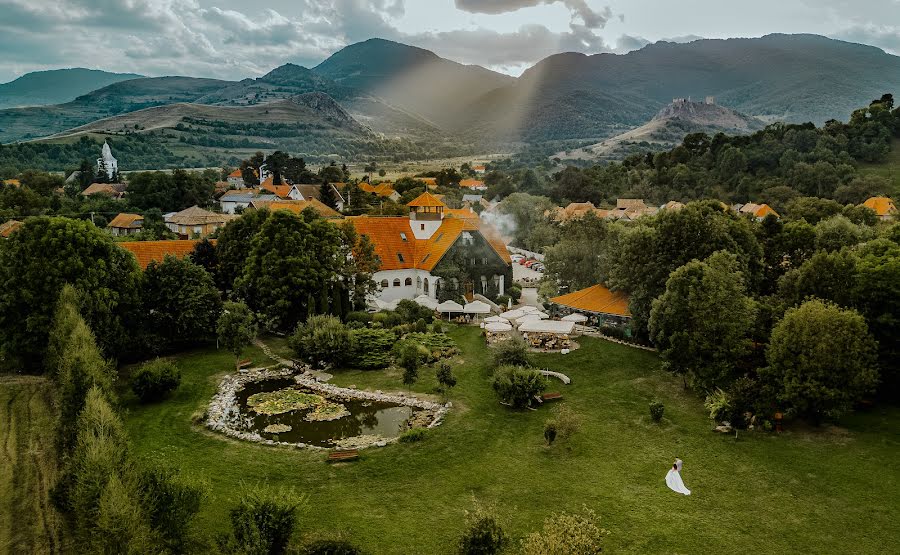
(324, 340)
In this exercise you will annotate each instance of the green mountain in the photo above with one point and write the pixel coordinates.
(56, 86)
(795, 78)
(413, 79)
(667, 130)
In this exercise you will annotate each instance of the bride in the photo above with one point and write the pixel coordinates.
(673, 480)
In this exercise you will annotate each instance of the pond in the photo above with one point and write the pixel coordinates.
(280, 410)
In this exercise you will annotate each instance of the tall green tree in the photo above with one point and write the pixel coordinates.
(35, 263)
(702, 322)
(236, 328)
(180, 300)
(821, 360)
(292, 258)
(359, 264)
(234, 245)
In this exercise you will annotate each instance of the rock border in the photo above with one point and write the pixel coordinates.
(223, 412)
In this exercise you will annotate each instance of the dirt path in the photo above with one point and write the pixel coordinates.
(28, 467)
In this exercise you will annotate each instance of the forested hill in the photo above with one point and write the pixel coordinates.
(794, 78)
(56, 86)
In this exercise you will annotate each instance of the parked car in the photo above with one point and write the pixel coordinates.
(523, 261)
(516, 258)
(530, 263)
(538, 267)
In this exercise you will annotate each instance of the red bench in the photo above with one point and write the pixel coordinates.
(551, 396)
(343, 456)
(245, 363)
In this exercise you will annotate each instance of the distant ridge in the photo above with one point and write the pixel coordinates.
(56, 86)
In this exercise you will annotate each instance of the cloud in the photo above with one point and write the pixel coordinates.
(589, 17)
(886, 37)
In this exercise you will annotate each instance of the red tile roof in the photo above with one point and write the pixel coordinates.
(149, 251)
(127, 221)
(426, 200)
(7, 228)
(471, 183)
(883, 206)
(596, 298)
(298, 206)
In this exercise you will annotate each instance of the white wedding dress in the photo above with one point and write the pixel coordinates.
(673, 480)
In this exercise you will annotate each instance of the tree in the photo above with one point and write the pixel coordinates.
(327, 196)
(154, 380)
(701, 323)
(234, 245)
(276, 163)
(827, 275)
(445, 378)
(66, 317)
(567, 534)
(322, 340)
(409, 359)
(292, 258)
(180, 300)
(264, 522)
(121, 523)
(171, 503)
(331, 173)
(250, 169)
(821, 360)
(236, 328)
(359, 265)
(35, 263)
(837, 232)
(517, 386)
(484, 533)
(206, 256)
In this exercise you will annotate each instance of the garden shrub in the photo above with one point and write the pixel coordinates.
(263, 522)
(330, 547)
(360, 317)
(371, 348)
(567, 534)
(410, 312)
(445, 378)
(437, 344)
(510, 352)
(550, 431)
(171, 504)
(322, 340)
(413, 435)
(484, 535)
(718, 403)
(154, 380)
(515, 291)
(517, 386)
(567, 421)
(656, 410)
(502, 300)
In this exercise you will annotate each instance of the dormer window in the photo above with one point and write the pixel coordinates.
(403, 237)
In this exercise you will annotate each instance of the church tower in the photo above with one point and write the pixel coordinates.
(107, 163)
(426, 213)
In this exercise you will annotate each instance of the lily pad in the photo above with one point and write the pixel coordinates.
(284, 400)
(327, 411)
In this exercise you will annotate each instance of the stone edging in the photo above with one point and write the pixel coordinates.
(223, 412)
(619, 341)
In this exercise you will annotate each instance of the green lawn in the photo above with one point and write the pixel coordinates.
(834, 490)
(889, 169)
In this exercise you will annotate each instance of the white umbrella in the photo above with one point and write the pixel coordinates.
(528, 308)
(575, 317)
(426, 301)
(495, 319)
(496, 327)
(477, 307)
(539, 314)
(509, 303)
(528, 317)
(512, 314)
(449, 307)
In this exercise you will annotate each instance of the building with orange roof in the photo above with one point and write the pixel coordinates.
(155, 251)
(112, 190)
(284, 191)
(883, 207)
(298, 206)
(436, 251)
(758, 211)
(8, 227)
(12, 182)
(473, 184)
(430, 182)
(598, 302)
(479, 169)
(125, 224)
(195, 222)
(383, 190)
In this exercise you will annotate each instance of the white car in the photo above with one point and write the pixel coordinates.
(516, 258)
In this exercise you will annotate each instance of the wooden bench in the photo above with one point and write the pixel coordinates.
(555, 396)
(343, 456)
(245, 363)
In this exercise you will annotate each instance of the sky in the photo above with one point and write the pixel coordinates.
(235, 39)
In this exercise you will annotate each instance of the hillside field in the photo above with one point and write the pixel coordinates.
(830, 490)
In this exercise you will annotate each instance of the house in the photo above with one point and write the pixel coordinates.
(672, 205)
(430, 182)
(884, 207)
(631, 209)
(155, 251)
(8, 227)
(473, 184)
(436, 252)
(758, 211)
(602, 306)
(125, 224)
(12, 182)
(111, 190)
(236, 179)
(382, 190)
(578, 210)
(284, 191)
(195, 222)
(479, 170)
(298, 206)
(232, 202)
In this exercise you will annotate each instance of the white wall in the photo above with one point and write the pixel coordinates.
(418, 277)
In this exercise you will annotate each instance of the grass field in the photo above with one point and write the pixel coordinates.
(832, 490)
(27, 467)
(889, 169)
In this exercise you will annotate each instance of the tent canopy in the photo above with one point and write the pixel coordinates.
(496, 327)
(450, 306)
(426, 301)
(575, 317)
(512, 314)
(477, 307)
(495, 319)
(528, 308)
(547, 326)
